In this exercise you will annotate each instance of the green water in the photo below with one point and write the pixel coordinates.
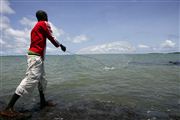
(144, 81)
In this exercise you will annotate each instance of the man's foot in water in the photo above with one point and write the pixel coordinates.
(10, 113)
(49, 103)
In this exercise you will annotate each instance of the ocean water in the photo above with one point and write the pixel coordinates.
(95, 87)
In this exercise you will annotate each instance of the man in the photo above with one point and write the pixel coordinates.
(35, 75)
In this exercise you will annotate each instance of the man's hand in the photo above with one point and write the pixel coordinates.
(63, 48)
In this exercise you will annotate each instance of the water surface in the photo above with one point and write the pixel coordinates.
(96, 87)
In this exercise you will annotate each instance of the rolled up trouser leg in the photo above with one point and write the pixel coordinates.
(34, 75)
(42, 82)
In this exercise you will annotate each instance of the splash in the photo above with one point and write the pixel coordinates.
(88, 57)
(102, 65)
(108, 68)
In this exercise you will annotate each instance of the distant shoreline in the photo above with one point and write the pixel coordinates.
(98, 54)
(166, 53)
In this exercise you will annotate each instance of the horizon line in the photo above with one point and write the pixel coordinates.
(98, 54)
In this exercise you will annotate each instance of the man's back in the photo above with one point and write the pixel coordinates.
(39, 33)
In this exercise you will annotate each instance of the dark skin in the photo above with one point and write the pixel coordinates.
(15, 97)
(9, 111)
(43, 102)
(63, 48)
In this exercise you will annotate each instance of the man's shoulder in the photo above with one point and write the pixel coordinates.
(40, 22)
(43, 23)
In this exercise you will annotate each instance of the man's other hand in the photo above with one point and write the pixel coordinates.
(63, 48)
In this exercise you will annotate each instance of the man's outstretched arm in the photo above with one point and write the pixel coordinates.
(51, 37)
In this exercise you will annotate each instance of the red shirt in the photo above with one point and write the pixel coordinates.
(39, 33)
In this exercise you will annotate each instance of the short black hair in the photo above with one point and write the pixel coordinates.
(41, 15)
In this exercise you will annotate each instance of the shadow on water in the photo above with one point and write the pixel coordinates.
(88, 110)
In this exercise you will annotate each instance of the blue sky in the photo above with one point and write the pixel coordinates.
(94, 26)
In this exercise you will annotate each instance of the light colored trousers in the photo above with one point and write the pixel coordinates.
(35, 75)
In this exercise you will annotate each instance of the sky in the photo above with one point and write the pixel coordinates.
(94, 26)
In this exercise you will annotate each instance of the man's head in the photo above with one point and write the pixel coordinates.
(41, 15)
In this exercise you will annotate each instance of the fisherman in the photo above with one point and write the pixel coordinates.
(35, 74)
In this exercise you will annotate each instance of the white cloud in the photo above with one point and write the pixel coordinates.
(50, 49)
(80, 39)
(27, 22)
(2, 42)
(5, 7)
(2, 52)
(114, 47)
(30, 24)
(56, 31)
(168, 44)
(15, 33)
(143, 46)
(4, 22)
(19, 39)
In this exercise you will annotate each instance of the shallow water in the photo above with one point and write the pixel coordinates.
(96, 87)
